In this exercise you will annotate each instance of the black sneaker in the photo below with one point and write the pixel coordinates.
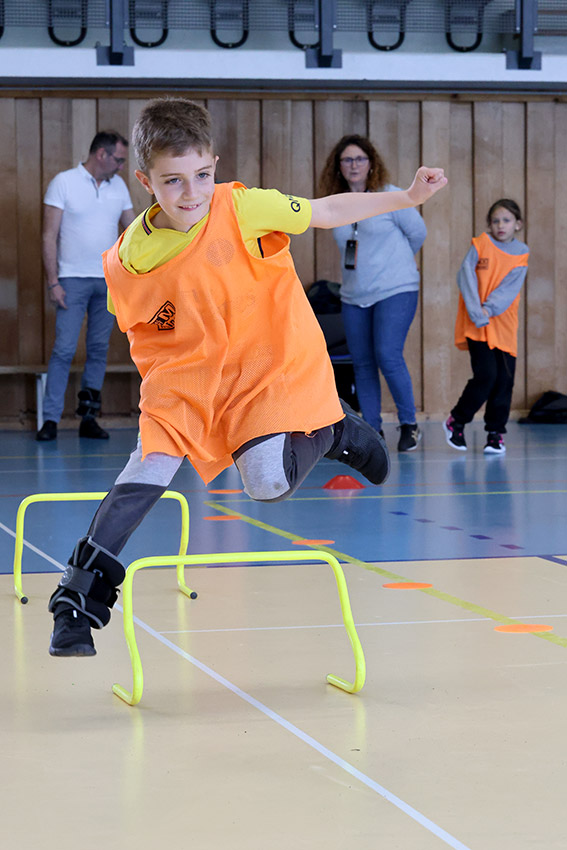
(410, 435)
(361, 447)
(455, 434)
(71, 634)
(494, 444)
(47, 432)
(90, 428)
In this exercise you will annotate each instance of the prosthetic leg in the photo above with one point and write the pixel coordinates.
(89, 407)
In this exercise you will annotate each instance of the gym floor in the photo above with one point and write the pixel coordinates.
(238, 741)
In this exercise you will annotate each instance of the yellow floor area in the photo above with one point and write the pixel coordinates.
(239, 743)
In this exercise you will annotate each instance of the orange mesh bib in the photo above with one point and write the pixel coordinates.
(492, 267)
(227, 344)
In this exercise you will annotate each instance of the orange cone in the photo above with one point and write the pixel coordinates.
(343, 482)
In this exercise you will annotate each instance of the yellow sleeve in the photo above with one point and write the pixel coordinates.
(109, 304)
(262, 211)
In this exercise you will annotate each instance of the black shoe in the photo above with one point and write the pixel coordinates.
(494, 444)
(48, 431)
(410, 435)
(90, 428)
(71, 634)
(455, 434)
(361, 447)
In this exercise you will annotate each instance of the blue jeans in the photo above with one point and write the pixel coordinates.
(376, 337)
(82, 295)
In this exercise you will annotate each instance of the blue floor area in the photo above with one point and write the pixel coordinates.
(437, 504)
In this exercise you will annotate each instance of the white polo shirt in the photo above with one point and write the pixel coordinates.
(89, 225)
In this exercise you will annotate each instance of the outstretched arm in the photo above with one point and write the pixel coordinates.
(336, 210)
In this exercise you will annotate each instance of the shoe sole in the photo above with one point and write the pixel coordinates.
(81, 650)
(412, 448)
(448, 435)
(490, 451)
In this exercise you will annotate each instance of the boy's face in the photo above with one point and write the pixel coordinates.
(183, 186)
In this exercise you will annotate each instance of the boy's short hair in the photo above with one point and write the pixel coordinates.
(172, 125)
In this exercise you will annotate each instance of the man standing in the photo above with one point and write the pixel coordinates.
(83, 208)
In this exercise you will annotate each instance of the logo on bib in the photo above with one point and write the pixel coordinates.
(482, 263)
(165, 317)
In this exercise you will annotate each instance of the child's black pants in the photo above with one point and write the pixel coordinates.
(492, 382)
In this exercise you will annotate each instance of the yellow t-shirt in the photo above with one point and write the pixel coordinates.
(259, 212)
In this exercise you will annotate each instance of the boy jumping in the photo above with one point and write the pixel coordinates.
(233, 363)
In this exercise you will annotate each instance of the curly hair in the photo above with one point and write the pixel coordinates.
(332, 181)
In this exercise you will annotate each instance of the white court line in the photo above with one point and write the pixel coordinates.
(358, 625)
(400, 804)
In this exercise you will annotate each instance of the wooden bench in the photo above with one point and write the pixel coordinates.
(40, 372)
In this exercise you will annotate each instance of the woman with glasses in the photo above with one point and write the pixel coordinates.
(380, 284)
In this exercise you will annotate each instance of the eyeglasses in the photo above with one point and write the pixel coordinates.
(118, 159)
(354, 160)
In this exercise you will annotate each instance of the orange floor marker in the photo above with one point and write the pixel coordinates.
(305, 542)
(220, 518)
(523, 628)
(407, 585)
(225, 491)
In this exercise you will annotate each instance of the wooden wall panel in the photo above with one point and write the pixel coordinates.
(9, 347)
(559, 216)
(236, 125)
(438, 314)
(540, 290)
(29, 203)
(287, 165)
(489, 148)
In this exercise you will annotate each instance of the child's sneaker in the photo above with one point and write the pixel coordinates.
(455, 434)
(494, 444)
(410, 435)
(358, 445)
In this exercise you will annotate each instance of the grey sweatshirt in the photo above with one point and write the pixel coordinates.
(385, 264)
(500, 298)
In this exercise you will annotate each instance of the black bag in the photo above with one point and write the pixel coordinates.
(550, 409)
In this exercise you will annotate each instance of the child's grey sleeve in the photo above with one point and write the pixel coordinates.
(500, 298)
(412, 226)
(468, 286)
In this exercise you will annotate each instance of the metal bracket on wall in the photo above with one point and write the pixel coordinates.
(152, 12)
(229, 14)
(380, 13)
(526, 58)
(117, 53)
(302, 14)
(459, 14)
(324, 55)
(65, 13)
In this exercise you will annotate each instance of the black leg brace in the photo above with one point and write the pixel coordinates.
(89, 584)
(89, 402)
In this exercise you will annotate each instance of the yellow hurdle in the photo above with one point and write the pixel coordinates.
(93, 497)
(133, 697)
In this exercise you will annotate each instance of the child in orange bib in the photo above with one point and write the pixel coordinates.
(233, 363)
(489, 281)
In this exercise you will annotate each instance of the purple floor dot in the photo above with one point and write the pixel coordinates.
(425, 520)
(481, 537)
(399, 513)
(451, 528)
(510, 546)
